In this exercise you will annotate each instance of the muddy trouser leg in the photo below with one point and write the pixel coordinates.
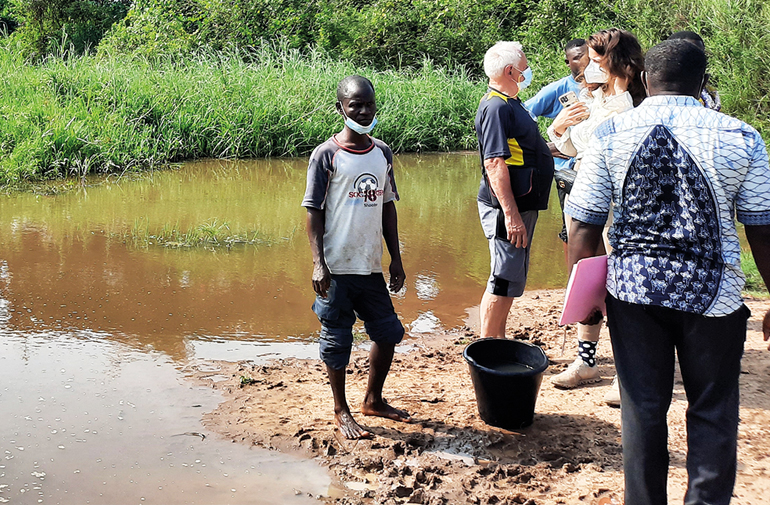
(644, 339)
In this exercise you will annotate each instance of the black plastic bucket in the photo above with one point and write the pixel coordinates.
(506, 376)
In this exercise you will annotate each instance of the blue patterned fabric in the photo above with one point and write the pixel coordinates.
(677, 174)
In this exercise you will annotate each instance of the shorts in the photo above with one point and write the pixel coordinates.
(509, 265)
(351, 296)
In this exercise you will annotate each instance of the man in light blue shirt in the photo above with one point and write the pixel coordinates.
(546, 104)
(678, 175)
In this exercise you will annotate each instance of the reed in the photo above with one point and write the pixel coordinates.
(113, 113)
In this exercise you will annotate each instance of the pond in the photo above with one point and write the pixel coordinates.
(98, 320)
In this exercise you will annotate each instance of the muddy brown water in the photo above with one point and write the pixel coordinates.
(98, 321)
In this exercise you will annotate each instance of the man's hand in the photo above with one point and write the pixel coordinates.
(397, 276)
(322, 279)
(766, 328)
(517, 232)
(595, 317)
(555, 151)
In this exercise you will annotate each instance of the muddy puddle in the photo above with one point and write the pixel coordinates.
(98, 321)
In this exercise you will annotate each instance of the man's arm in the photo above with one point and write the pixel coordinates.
(390, 233)
(322, 278)
(583, 241)
(759, 241)
(500, 180)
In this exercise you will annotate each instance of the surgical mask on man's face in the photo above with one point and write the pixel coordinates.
(527, 79)
(363, 130)
(595, 74)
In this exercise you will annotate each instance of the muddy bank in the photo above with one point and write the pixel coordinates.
(447, 455)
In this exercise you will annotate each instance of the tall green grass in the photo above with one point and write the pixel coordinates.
(111, 113)
(755, 286)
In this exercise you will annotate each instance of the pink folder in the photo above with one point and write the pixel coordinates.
(586, 290)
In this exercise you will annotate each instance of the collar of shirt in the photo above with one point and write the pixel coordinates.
(668, 100)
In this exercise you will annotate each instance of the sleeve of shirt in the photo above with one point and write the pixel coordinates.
(390, 192)
(318, 174)
(494, 140)
(591, 194)
(545, 103)
(752, 203)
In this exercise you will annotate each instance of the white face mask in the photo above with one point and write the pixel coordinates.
(594, 74)
(356, 127)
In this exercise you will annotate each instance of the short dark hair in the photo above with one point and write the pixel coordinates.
(688, 36)
(574, 43)
(350, 83)
(676, 61)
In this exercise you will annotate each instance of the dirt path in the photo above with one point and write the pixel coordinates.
(570, 455)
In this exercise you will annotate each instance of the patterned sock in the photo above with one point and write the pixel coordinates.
(587, 351)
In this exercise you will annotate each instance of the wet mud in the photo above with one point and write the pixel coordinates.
(571, 454)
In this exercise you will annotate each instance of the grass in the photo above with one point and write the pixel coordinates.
(755, 286)
(115, 113)
(209, 234)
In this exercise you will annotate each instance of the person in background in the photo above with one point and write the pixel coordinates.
(350, 200)
(616, 64)
(546, 104)
(517, 174)
(675, 175)
(709, 96)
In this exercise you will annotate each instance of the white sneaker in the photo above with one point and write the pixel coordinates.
(612, 397)
(576, 374)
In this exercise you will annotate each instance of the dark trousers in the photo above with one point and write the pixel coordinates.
(644, 339)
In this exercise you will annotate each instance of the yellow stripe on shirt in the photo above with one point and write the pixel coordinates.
(517, 154)
(491, 94)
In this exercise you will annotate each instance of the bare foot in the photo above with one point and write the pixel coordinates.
(382, 409)
(349, 428)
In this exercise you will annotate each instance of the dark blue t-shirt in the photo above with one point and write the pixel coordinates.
(505, 129)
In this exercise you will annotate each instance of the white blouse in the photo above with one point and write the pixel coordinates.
(574, 141)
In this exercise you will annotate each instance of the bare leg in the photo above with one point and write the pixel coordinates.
(380, 358)
(349, 428)
(493, 314)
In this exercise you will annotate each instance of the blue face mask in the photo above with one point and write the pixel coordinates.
(527, 79)
(362, 130)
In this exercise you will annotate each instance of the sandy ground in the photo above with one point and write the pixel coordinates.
(570, 455)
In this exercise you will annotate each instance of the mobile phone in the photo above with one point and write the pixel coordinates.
(568, 99)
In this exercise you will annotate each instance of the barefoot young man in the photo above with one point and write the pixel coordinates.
(350, 201)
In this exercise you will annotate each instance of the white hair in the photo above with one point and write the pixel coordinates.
(501, 55)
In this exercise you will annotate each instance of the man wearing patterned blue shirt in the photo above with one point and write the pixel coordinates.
(678, 174)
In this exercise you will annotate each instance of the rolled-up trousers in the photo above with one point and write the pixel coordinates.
(644, 340)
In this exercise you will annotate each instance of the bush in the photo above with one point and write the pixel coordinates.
(55, 26)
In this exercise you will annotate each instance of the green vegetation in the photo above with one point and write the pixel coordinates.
(183, 79)
(755, 286)
(110, 114)
(209, 234)
(47, 26)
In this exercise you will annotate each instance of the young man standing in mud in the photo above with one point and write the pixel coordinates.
(517, 171)
(678, 175)
(350, 201)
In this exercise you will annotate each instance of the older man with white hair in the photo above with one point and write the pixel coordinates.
(517, 169)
